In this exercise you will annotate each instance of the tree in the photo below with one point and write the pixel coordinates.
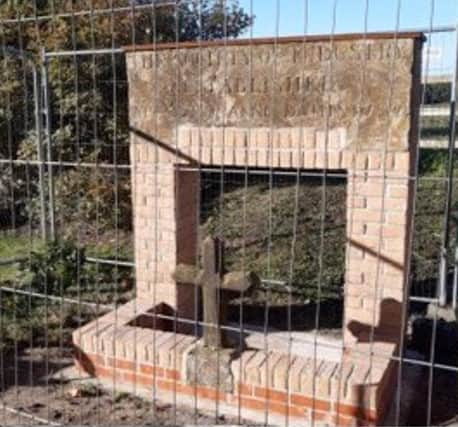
(89, 93)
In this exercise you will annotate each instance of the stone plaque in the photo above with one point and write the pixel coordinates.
(364, 86)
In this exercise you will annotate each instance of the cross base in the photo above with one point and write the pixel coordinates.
(211, 368)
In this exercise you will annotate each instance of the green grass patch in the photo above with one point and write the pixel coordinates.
(110, 247)
(281, 231)
(14, 246)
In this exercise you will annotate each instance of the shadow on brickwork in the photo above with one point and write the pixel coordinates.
(385, 330)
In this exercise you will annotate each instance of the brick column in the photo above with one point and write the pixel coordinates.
(155, 230)
(378, 232)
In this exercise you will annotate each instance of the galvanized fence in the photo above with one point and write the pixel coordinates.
(70, 253)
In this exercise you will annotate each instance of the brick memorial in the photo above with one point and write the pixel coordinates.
(349, 103)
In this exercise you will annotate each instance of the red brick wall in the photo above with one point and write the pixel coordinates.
(378, 206)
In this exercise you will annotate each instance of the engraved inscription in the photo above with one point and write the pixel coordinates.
(363, 86)
(306, 53)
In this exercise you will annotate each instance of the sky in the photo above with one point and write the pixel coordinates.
(289, 17)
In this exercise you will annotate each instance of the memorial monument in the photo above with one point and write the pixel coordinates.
(344, 103)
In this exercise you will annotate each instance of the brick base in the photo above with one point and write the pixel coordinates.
(245, 396)
(353, 392)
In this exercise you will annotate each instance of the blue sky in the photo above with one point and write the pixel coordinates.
(350, 17)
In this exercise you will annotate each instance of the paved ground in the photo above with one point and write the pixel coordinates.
(329, 347)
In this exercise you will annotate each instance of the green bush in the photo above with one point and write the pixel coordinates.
(52, 268)
(437, 93)
(85, 202)
(57, 269)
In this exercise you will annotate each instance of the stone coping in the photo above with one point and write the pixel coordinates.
(278, 40)
(354, 387)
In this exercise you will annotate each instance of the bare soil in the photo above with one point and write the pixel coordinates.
(50, 399)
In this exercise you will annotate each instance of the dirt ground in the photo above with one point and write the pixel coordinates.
(54, 400)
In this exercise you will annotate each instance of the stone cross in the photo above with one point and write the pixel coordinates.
(217, 286)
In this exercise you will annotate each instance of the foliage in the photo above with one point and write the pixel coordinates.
(435, 127)
(434, 162)
(56, 269)
(14, 247)
(91, 202)
(437, 93)
(49, 269)
(89, 117)
(60, 268)
(205, 19)
(52, 268)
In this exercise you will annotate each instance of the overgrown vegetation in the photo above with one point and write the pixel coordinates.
(89, 125)
(88, 101)
(52, 268)
(57, 269)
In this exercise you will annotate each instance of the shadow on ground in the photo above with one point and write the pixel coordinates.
(436, 391)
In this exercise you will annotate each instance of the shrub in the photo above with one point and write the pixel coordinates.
(437, 93)
(52, 268)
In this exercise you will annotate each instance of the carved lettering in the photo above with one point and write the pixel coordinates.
(262, 85)
(307, 53)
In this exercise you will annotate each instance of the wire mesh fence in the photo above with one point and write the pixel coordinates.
(200, 225)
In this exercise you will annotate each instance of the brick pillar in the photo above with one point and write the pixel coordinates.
(378, 232)
(155, 229)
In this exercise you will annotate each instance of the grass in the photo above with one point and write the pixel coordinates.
(25, 316)
(12, 247)
(258, 224)
(20, 245)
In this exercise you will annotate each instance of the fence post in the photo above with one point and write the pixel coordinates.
(47, 116)
(443, 269)
(40, 156)
(455, 263)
